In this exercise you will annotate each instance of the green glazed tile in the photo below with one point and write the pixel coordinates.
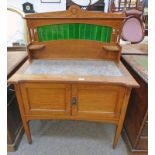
(98, 35)
(60, 32)
(87, 31)
(81, 31)
(71, 31)
(108, 36)
(74, 31)
(103, 36)
(93, 32)
(66, 31)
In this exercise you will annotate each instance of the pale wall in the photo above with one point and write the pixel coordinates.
(38, 6)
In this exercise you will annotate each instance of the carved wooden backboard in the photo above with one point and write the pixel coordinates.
(74, 33)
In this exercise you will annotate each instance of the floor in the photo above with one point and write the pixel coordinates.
(71, 138)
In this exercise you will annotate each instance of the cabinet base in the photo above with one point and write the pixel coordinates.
(13, 147)
(129, 146)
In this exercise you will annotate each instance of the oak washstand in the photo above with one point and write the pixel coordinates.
(74, 70)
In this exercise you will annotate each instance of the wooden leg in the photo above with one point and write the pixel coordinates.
(27, 132)
(121, 119)
(117, 135)
(21, 108)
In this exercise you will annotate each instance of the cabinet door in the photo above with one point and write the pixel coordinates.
(97, 101)
(46, 98)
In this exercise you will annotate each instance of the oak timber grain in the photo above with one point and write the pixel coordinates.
(36, 47)
(42, 98)
(74, 49)
(98, 98)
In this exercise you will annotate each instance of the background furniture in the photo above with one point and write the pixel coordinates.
(129, 7)
(135, 130)
(91, 87)
(14, 60)
(14, 123)
(145, 20)
(133, 29)
(135, 49)
(98, 6)
(137, 8)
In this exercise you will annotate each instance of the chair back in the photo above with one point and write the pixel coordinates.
(133, 30)
(123, 5)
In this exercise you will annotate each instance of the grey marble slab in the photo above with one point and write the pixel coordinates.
(74, 67)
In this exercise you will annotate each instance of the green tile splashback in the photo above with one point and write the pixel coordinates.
(74, 31)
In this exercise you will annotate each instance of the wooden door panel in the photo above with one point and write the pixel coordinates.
(98, 100)
(46, 98)
(92, 100)
(41, 98)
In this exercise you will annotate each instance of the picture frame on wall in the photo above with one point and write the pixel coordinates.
(50, 1)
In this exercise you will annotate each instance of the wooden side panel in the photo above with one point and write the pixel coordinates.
(98, 101)
(41, 98)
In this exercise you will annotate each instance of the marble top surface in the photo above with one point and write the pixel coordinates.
(74, 68)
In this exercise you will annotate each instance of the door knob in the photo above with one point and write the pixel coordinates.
(74, 100)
